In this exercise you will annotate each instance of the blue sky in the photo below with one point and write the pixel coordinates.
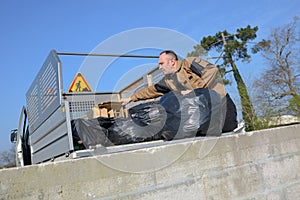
(30, 29)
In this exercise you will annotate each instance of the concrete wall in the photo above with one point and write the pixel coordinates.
(257, 165)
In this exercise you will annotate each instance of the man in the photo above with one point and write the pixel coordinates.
(185, 76)
(181, 75)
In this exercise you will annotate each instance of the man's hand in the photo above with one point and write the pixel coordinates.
(125, 101)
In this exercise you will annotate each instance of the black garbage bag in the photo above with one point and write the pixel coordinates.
(92, 131)
(122, 132)
(144, 124)
(195, 114)
(106, 122)
(231, 122)
(126, 131)
(175, 126)
(146, 114)
(75, 135)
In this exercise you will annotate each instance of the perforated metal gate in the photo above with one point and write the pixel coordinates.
(83, 102)
(43, 96)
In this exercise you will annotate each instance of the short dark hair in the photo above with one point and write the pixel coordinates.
(170, 52)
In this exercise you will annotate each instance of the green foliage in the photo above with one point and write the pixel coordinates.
(234, 46)
(246, 34)
(294, 104)
(264, 44)
(221, 78)
(261, 123)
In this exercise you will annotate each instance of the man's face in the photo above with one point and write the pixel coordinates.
(166, 64)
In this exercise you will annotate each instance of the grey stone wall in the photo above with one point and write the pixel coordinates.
(256, 165)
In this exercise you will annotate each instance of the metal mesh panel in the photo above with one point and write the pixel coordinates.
(81, 103)
(32, 102)
(43, 96)
(79, 108)
(49, 87)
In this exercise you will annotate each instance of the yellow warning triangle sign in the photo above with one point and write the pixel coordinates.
(79, 84)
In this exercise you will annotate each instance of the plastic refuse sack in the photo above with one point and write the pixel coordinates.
(145, 123)
(147, 113)
(93, 131)
(126, 131)
(198, 113)
(231, 122)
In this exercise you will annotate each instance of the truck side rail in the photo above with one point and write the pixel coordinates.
(48, 126)
(44, 94)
